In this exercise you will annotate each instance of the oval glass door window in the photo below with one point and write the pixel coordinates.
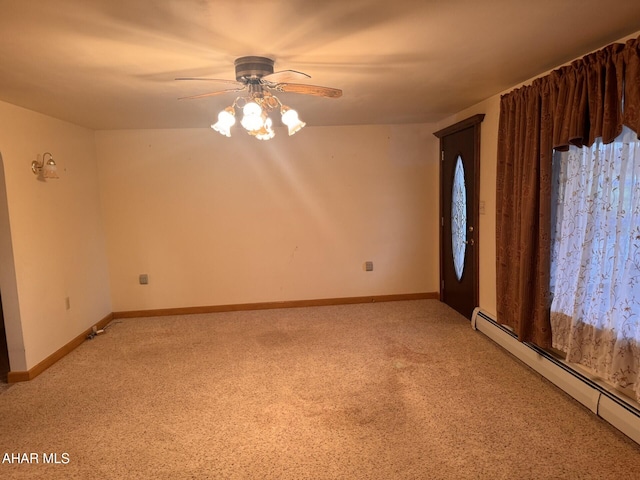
(459, 218)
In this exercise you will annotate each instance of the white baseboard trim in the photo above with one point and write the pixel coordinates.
(603, 401)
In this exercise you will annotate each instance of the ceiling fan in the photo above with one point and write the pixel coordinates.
(255, 76)
(256, 73)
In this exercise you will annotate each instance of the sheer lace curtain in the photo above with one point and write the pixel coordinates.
(595, 258)
(591, 98)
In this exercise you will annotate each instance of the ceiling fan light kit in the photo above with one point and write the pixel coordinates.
(255, 76)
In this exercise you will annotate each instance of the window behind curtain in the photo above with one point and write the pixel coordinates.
(595, 258)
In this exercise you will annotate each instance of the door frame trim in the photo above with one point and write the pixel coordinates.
(471, 122)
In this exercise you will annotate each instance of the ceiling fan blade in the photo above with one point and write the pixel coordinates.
(218, 80)
(308, 90)
(211, 94)
(285, 76)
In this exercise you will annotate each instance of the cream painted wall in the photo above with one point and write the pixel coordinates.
(56, 237)
(215, 220)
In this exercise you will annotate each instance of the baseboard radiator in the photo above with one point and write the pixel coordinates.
(596, 396)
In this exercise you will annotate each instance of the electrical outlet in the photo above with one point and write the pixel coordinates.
(368, 266)
(144, 279)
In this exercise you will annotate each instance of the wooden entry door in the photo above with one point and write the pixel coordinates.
(459, 210)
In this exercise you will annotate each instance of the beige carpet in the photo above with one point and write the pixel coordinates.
(399, 390)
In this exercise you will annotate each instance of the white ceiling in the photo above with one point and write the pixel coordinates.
(111, 64)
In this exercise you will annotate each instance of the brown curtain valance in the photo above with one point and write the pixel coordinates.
(574, 105)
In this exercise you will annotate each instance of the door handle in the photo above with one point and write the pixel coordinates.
(471, 241)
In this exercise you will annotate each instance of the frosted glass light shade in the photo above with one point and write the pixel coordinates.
(226, 120)
(291, 120)
(50, 170)
(252, 117)
(266, 132)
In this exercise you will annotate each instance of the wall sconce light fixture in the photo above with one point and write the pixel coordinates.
(47, 168)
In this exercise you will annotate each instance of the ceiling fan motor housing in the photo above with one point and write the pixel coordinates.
(253, 67)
